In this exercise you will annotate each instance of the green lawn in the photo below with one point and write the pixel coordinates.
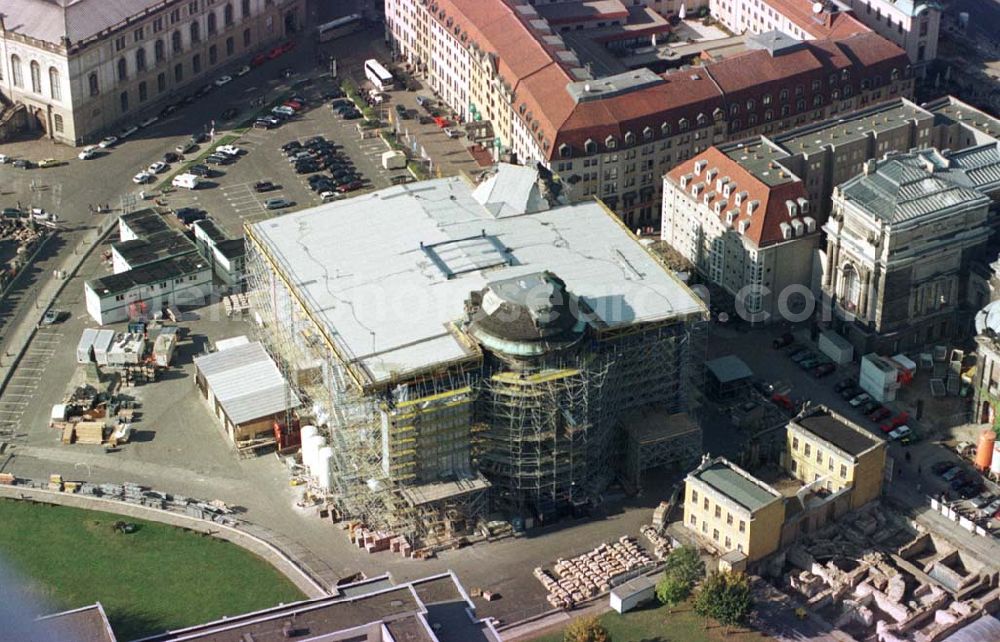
(159, 577)
(655, 623)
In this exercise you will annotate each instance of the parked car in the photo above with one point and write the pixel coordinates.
(128, 131)
(142, 177)
(801, 355)
(107, 141)
(844, 384)
(899, 433)
(205, 90)
(264, 186)
(157, 167)
(149, 121)
(981, 500)
(200, 170)
(223, 80)
(859, 399)
(185, 147)
(824, 370)
(188, 215)
(51, 316)
(259, 60)
(171, 157)
(169, 109)
(244, 70)
(869, 407)
(951, 473)
(218, 159)
(879, 414)
(784, 340)
(290, 145)
(4, 159)
(263, 123)
(277, 203)
(87, 152)
(329, 196)
(229, 150)
(23, 163)
(850, 392)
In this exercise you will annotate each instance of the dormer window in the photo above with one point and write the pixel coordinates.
(683, 124)
(565, 151)
(629, 138)
(702, 119)
(647, 133)
(610, 142)
(665, 129)
(590, 146)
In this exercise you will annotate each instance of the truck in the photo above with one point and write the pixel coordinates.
(187, 181)
(394, 159)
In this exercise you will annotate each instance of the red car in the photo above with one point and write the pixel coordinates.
(899, 420)
(823, 370)
(880, 414)
(441, 122)
(297, 106)
(782, 401)
(258, 60)
(275, 53)
(286, 47)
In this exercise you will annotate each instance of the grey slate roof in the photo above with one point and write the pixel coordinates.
(736, 487)
(246, 382)
(50, 20)
(904, 187)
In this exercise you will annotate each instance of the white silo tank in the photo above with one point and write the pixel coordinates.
(309, 431)
(995, 462)
(324, 467)
(310, 451)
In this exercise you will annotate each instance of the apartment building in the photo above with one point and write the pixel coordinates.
(801, 19)
(901, 244)
(746, 226)
(86, 67)
(731, 510)
(828, 451)
(614, 137)
(912, 24)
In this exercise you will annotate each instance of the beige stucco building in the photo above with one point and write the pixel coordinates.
(85, 68)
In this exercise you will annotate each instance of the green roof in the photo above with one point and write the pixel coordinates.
(736, 487)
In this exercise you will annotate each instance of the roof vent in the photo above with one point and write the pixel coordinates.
(711, 174)
(798, 227)
(810, 224)
(744, 225)
(786, 231)
(699, 166)
(752, 206)
(731, 217)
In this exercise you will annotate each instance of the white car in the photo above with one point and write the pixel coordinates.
(107, 142)
(899, 433)
(452, 133)
(860, 399)
(87, 153)
(229, 150)
(149, 121)
(284, 111)
(329, 196)
(128, 131)
(244, 70)
(223, 80)
(157, 167)
(4, 159)
(142, 177)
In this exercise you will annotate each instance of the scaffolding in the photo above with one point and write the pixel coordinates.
(409, 454)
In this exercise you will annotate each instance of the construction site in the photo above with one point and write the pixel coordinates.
(466, 354)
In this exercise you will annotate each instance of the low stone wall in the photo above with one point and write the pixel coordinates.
(296, 574)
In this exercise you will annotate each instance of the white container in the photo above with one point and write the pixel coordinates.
(995, 462)
(186, 181)
(101, 345)
(310, 451)
(85, 349)
(324, 467)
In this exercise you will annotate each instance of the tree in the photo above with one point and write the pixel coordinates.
(684, 564)
(672, 591)
(586, 629)
(725, 596)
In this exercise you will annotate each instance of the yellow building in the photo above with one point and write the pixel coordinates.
(731, 510)
(825, 448)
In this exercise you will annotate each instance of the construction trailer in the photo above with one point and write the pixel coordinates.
(470, 347)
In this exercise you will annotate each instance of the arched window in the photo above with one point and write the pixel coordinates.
(94, 88)
(36, 77)
(195, 32)
(850, 292)
(16, 75)
(176, 41)
(246, 8)
(211, 23)
(227, 15)
(140, 59)
(122, 69)
(158, 51)
(55, 84)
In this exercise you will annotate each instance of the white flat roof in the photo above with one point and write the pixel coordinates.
(389, 271)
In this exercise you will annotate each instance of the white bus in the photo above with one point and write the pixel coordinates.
(339, 27)
(377, 75)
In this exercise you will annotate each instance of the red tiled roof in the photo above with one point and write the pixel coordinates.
(539, 79)
(569, 12)
(823, 25)
(766, 220)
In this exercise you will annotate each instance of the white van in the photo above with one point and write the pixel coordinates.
(187, 181)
